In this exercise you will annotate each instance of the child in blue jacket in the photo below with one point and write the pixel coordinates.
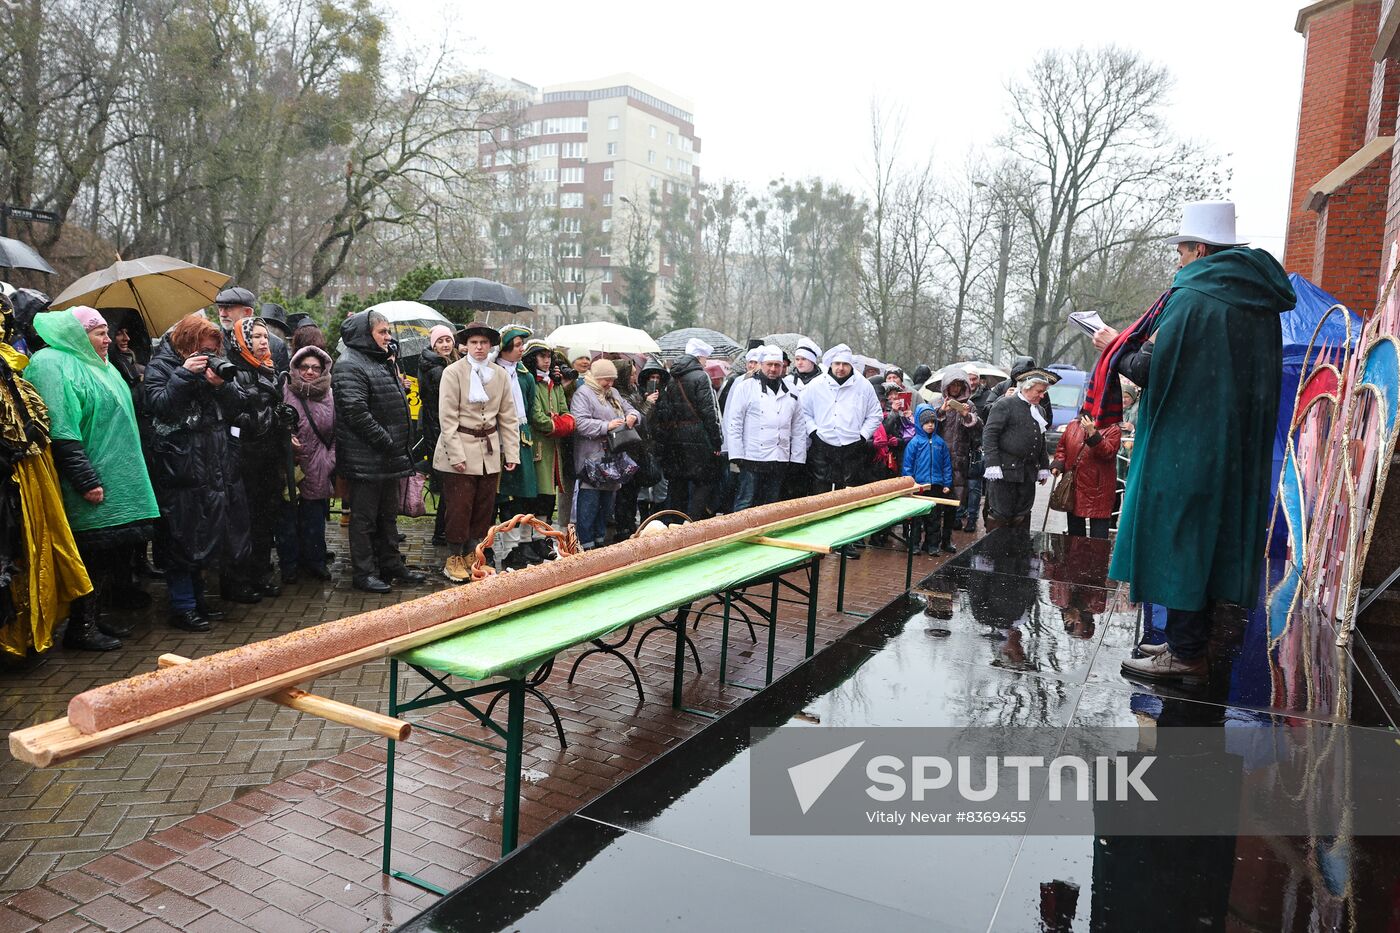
(926, 460)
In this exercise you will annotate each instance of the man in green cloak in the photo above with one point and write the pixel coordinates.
(1208, 358)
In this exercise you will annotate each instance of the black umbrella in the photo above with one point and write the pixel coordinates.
(673, 344)
(17, 255)
(476, 294)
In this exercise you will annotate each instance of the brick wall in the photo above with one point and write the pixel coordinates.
(1347, 258)
(1332, 116)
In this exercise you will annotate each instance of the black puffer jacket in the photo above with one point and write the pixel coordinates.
(191, 462)
(373, 435)
(686, 427)
(430, 370)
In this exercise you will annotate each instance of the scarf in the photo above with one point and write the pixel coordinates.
(243, 338)
(1035, 410)
(480, 379)
(841, 381)
(542, 377)
(1104, 397)
(514, 383)
(776, 386)
(603, 394)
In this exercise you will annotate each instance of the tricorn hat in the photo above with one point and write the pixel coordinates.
(1038, 375)
(482, 328)
(1208, 222)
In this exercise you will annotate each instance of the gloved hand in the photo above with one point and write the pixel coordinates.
(1043, 477)
(992, 472)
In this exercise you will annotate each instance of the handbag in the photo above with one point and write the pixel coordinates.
(1062, 496)
(411, 495)
(611, 470)
(623, 439)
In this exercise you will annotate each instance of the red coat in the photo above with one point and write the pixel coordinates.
(1096, 475)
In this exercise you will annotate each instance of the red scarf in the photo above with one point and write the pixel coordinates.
(1104, 397)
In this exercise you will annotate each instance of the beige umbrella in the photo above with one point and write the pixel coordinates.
(162, 289)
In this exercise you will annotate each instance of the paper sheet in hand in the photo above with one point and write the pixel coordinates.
(1087, 321)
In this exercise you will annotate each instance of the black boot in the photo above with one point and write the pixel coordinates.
(516, 559)
(112, 629)
(543, 548)
(82, 633)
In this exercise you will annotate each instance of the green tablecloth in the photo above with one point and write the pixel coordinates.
(518, 643)
(851, 526)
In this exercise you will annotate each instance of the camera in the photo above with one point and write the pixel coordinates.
(287, 417)
(222, 368)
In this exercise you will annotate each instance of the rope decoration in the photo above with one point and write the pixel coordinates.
(565, 542)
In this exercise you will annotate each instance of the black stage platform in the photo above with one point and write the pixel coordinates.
(1019, 631)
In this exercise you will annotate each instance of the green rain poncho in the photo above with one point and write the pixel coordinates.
(90, 403)
(1197, 504)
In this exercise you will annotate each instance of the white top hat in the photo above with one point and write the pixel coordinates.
(1209, 222)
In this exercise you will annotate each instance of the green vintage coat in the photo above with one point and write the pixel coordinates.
(549, 401)
(520, 482)
(89, 402)
(1197, 504)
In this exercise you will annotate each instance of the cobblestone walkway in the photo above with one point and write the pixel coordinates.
(258, 818)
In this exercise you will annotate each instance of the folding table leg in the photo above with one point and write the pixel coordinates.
(772, 632)
(515, 738)
(841, 584)
(724, 640)
(389, 769)
(814, 574)
(909, 561)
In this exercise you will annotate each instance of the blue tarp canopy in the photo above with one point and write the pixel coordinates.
(1298, 326)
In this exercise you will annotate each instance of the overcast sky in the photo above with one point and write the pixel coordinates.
(785, 89)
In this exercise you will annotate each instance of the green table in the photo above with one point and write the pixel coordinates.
(511, 647)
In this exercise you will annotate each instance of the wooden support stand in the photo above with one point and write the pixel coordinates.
(792, 545)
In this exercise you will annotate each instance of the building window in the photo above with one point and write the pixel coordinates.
(668, 187)
(607, 174)
(653, 182)
(571, 299)
(607, 275)
(571, 199)
(670, 164)
(607, 199)
(607, 299)
(606, 225)
(670, 139)
(571, 176)
(548, 198)
(613, 123)
(605, 251)
(651, 156)
(653, 131)
(612, 148)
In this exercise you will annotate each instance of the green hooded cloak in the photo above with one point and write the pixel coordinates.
(90, 403)
(1197, 504)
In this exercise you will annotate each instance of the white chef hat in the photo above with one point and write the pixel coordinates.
(754, 356)
(806, 348)
(838, 354)
(770, 354)
(697, 347)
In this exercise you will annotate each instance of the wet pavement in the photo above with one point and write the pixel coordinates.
(1022, 631)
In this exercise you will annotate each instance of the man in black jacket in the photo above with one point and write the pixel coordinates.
(373, 440)
(687, 433)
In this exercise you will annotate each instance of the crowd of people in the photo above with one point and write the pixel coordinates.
(217, 449)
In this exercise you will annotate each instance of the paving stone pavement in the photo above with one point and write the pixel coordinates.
(259, 818)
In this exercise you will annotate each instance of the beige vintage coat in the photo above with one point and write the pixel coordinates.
(455, 411)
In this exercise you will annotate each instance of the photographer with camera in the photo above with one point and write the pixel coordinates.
(192, 401)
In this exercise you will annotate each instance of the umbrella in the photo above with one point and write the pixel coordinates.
(673, 344)
(17, 255)
(603, 337)
(162, 289)
(477, 294)
(398, 311)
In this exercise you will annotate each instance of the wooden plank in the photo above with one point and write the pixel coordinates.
(59, 740)
(940, 501)
(347, 714)
(791, 545)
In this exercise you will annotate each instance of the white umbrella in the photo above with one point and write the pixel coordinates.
(603, 337)
(396, 311)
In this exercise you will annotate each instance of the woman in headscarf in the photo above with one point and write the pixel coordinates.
(97, 447)
(597, 408)
(434, 360)
(1013, 447)
(308, 391)
(264, 452)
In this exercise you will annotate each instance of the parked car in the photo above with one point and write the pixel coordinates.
(1066, 398)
